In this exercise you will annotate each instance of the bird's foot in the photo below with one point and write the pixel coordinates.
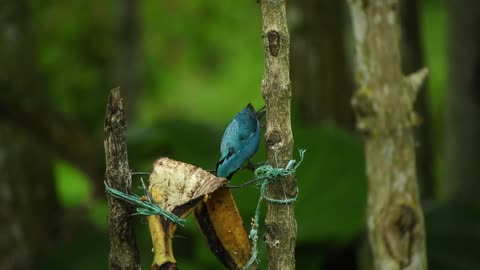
(261, 112)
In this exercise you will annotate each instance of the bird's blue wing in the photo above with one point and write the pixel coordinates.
(236, 154)
(229, 139)
(242, 126)
(248, 121)
(240, 141)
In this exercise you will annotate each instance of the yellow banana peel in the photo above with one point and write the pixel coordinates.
(222, 226)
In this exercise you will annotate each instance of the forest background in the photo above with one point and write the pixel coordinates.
(185, 69)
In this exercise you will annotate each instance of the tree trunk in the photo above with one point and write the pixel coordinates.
(280, 220)
(463, 103)
(383, 105)
(29, 211)
(319, 69)
(28, 204)
(128, 60)
(413, 59)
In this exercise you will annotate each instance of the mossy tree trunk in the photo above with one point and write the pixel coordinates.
(280, 221)
(383, 105)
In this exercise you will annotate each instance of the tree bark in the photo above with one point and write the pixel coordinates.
(319, 67)
(383, 105)
(280, 220)
(463, 103)
(123, 248)
(29, 210)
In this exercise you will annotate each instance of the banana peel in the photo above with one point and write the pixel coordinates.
(178, 188)
(222, 226)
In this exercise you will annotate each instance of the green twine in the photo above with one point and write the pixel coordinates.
(145, 208)
(254, 235)
(265, 174)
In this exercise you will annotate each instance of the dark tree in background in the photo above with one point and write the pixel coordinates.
(320, 71)
(463, 102)
(28, 204)
(413, 60)
(128, 64)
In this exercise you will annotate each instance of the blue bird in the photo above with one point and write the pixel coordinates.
(240, 141)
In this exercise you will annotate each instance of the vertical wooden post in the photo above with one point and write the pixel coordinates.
(280, 220)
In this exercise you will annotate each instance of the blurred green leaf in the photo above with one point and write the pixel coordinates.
(434, 31)
(73, 186)
(98, 214)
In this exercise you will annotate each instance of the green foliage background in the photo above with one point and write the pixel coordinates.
(202, 62)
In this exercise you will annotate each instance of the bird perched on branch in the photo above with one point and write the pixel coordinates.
(240, 141)
(218, 217)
